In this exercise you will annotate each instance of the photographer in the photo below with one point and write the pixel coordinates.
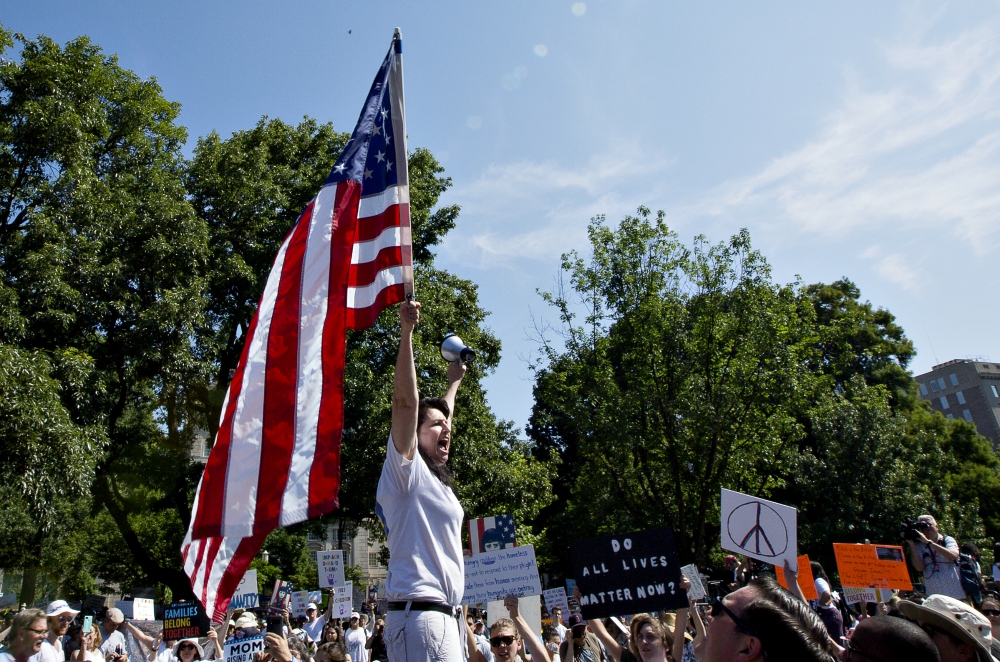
(376, 643)
(936, 556)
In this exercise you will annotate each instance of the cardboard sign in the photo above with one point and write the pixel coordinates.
(331, 568)
(243, 650)
(556, 597)
(8, 600)
(628, 573)
(94, 603)
(872, 566)
(805, 578)
(281, 595)
(758, 528)
(126, 607)
(142, 610)
(299, 601)
(184, 619)
(342, 597)
(488, 534)
(697, 590)
(855, 595)
(247, 595)
(497, 574)
(358, 596)
(383, 605)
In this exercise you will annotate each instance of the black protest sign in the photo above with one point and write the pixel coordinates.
(184, 619)
(629, 573)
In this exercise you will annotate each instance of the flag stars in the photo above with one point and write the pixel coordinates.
(380, 156)
(377, 130)
(384, 113)
(388, 165)
(368, 174)
(339, 168)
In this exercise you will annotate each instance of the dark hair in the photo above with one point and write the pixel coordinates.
(548, 632)
(334, 650)
(431, 403)
(894, 640)
(970, 549)
(787, 628)
(818, 571)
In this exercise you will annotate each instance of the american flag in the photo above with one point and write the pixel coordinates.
(489, 533)
(276, 458)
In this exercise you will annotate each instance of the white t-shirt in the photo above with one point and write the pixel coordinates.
(561, 629)
(114, 642)
(164, 654)
(423, 528)
(49, 652)
(315, 629)
(354, 641)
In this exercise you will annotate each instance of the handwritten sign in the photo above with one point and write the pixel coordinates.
(8, 599)
(342, 597)
(496, 574)
(759, 528)
(628, 573)
(805, 578)
(184, 619)
(94, 603)
(872, 566)
(299, 601)
(247, 593)
(697, 590)
(243, 650)
(142, 610)
(556, 597)
(331, 568)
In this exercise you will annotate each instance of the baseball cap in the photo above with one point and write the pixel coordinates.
(311, 605)
(355, 614)
(59, 607)
(115, 615)
(955, 617)
(576, 619)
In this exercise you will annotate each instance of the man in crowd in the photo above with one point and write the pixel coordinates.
(314, 623)
(891, 639)
(936, 556)
(581, 645)
(960, 633)
(557, 623)
(27, 632)
(114, 645)
(763, 621)
(59, 617)
(355, 638)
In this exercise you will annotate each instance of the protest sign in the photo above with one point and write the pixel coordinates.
(497, 574)
(488, 534)
(184, 619)
(142, 609)
(875, 566)
(805, 578)
(281, 595)
(383, 605)
(697, 590)
(331, 568)
(358, 596)
(247, 594)
(316, 597)
(556, 597)
(94, 603)
(299, 601)
(628, 573)
(855, 595)
(125, 606)
(8, 599)
(574, 606)
(342, 597)
(759, 528)
(144, 592)
(243, 650)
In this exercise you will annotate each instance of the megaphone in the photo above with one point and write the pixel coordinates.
(453, 349)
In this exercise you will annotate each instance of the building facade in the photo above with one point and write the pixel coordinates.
(360, 548)
(966, 389)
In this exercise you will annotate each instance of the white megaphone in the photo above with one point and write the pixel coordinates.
(453, 349)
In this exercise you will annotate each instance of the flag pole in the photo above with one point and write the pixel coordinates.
(402, 172)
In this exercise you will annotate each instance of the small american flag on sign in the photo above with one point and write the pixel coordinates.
(487, 534)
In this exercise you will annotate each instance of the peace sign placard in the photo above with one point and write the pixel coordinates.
(758, 528)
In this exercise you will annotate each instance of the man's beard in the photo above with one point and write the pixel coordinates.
(439, 469)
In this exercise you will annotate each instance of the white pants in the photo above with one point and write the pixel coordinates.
(418, 636)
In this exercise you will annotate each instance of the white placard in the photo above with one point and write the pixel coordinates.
(697, 590)
(496, 574)
(853, 595)
(142, 610)
(556, 597)
(299, 601)
(247, 594)
(243, 650)
(125, 606)
(759, 528)
(331, 568)
(342, 597)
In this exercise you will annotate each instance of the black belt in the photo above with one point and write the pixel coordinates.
(422, 606)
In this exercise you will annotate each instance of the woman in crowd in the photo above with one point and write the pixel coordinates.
(376, 643)
(88, 646)
(651, 640)
(187, 650)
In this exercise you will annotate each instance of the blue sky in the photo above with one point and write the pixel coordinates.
(853, 139)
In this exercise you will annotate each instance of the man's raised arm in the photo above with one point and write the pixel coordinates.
(405, 399)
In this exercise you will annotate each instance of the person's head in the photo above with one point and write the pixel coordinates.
(364, 620)
(551, 638)
(479, 628)
(764, 621)
(330, 651)
(889, 639)
(928, 526)
(187, 650)
(59, 616)
(970, 549)
(731, 562)
(355, 620)
(650, 638)
(991, 610)
(113, 619)
(818, 571)
(311, 611)
(578, 628)
(557, 615)
(960, 633)
(504, 640)
(27, 632)
(93, 639)
(331, 633)
(433, 431)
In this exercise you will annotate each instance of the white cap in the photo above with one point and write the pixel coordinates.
(115, 615)
(311, 605)
(355, 614)
(58, 608)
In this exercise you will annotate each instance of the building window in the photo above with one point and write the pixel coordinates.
(949, 416)
(312, 536)
(923, 389)
(994, 389)
(941, 383)
(967, 414)
(954, 379)
(944, 402)
(934, 386)
(961, 398)
(314, 555)
(373, 559)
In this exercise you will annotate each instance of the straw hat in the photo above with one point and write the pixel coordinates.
(954, 617)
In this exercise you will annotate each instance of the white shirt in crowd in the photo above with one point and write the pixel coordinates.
(355, 641)
(315, 628)
(165, 653)
(422, 519)
(114, 642)
(49, 652)
(561, 629)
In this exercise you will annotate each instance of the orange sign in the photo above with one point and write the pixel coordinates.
(805, 577)
(876, 566)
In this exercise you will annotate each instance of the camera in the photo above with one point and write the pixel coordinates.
(910, 530)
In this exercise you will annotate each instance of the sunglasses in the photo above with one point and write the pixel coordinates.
(41, 633)
(503, 640)
(186, 647)
(851, 651)
(718, 609)
(991, 612)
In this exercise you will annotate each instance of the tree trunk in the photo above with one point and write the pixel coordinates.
(29, 580)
